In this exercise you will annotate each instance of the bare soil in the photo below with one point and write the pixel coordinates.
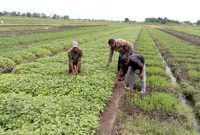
(193, 40)
(108, 117)
(129, 109)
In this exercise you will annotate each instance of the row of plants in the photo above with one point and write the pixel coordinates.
(21, 52)
(184, 60)
(190, 30)
(41, 98)
(182, 57)
(157, 112)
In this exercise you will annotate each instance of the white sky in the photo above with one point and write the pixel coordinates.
(138, 10)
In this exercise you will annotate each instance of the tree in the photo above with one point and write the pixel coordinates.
(66, 17)
(126, 19)
(5, 13)
(36, 15)
(28, 14)
(160, 20)
(13, 13)
(23, 14)
(43, 15)
(1, 14)
(55, 16)
(198, 22)
(187, 22)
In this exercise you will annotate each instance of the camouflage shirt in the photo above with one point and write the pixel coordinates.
(75, 56)
(123, 50)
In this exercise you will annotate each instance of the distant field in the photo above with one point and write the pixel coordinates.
(193, 30)
(45, 21)
(21, 26)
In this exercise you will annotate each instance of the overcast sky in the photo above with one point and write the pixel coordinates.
(138, 10)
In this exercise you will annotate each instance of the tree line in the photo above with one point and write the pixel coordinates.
(36, 15)
(165, 20)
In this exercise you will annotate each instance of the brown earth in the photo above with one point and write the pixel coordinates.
(129, 109)
(192, 40)
(108, 117)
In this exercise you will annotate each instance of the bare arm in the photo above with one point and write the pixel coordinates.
(78, 64)
(110, 56)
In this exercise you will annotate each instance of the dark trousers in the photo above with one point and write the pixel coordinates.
(74, 64)
(124, 68)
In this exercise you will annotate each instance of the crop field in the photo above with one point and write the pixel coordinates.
(38, 96)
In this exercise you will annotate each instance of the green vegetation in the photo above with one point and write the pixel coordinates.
(145, 126)
(156, 76)
(153, 113)
(24, 48)
(4, 62)
(156, 101)
(184, 60)
(160, 20)
(41, 98)
(191, 30)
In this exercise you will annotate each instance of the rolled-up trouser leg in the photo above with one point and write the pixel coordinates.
(131, 79)
(143, 80)
(126, 81)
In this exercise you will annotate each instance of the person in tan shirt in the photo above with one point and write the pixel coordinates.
(124, 48)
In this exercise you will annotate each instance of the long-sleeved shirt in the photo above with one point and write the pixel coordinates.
(123, 50)
(136, 62)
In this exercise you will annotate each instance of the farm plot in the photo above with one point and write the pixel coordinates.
(184, 60)
(190, 30)
(192, 39)
(40, 98)
(18, 50)
(153, 113)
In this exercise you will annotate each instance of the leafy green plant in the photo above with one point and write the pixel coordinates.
(156, 101)
(4, 62)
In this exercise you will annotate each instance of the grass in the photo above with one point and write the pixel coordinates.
(194, 75)
(4, 62)
(155, 71)
(156, 102)
(158, 82)
(142, 125)
(158, 113)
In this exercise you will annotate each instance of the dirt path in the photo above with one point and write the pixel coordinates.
(192, 40)
(109, 116)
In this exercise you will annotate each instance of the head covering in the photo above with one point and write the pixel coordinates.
(75, 44)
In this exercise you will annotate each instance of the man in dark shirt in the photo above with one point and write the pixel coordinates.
(75, 54)
(135, 63)
(124, 48)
